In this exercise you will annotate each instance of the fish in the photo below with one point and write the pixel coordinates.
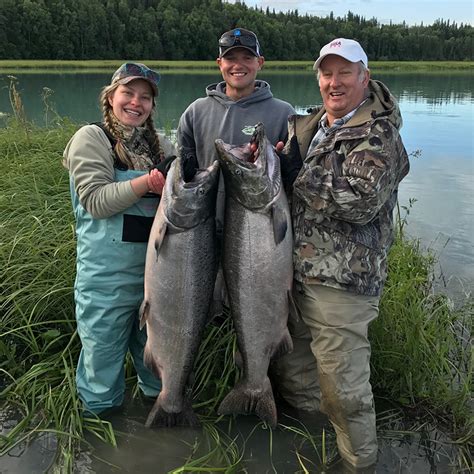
(180, 270)
(258, 269)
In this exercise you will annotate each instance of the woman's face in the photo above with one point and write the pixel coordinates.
(132, 103)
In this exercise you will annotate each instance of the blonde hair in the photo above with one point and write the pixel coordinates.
(109, 122)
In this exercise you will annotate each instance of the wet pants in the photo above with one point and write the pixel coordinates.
(107, 333)
(329, 367)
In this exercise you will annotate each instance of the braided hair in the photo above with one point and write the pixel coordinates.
(120, 150)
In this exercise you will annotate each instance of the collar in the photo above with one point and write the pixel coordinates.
(339, 122)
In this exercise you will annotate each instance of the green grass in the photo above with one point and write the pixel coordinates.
(421, 355)
(41, 66)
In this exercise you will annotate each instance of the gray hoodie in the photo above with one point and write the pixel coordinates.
(218, 116)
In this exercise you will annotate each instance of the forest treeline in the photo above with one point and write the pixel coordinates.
(188, 29)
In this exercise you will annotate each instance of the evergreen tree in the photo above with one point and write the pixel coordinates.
(188, 29)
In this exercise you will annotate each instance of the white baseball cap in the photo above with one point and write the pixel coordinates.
(346, 48)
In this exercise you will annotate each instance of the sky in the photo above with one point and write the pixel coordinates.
(413, 12)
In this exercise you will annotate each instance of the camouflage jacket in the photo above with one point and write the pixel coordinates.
(345, 193)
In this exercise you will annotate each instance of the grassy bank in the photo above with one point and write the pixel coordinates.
(11, 66)
(421, 356)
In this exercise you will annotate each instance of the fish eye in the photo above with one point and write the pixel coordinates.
(238, 172)
(201, 191)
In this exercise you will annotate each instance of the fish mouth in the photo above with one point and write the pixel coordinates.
(202, 175)
(235, 154)
(249, 155)
(190, 198)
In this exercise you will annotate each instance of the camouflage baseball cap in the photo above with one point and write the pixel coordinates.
(128, 72)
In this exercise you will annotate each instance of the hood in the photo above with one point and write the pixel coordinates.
(380, 103)
(262, 92)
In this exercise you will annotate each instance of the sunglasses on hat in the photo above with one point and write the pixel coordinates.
(136, 70)
(238, 38)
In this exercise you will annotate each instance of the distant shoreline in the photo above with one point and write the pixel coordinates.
(109, 65)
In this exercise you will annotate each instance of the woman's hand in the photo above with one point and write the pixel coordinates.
(156, 181)
(152, 182)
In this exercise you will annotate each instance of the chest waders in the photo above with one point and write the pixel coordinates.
(108, 292)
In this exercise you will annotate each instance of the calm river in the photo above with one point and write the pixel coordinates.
(438, 113)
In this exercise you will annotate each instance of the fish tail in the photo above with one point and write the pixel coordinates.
(160, 418)
(245, 400)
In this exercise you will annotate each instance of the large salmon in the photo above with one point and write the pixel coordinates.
(180, 271)
(258, 269)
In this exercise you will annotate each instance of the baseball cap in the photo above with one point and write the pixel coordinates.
(346, 48)
(128, 72)
(239, 38)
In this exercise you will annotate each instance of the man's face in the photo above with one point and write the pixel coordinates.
(239, 69)
(342, 86)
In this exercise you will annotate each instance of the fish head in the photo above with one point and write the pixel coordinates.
(190, 202)
(252, 176)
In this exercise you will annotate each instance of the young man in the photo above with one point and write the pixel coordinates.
(232, 107)
(342, 202)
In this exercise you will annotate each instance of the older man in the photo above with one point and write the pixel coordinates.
(344, 191)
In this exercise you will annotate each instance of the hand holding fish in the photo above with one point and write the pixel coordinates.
(290, 162)
(156, 181)
(253, 152)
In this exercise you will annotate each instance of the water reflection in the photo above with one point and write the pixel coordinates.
(32, 456)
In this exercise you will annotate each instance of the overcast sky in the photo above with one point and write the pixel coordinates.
(412, 11)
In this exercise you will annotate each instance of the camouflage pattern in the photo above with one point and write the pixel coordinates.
(344, 196)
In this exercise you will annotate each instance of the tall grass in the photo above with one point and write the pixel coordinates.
(421, 356)
(421, 342)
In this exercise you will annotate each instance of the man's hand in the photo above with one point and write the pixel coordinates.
(290, 163)
(190, 166)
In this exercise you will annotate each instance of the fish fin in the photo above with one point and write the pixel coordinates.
(159, 417)
(285, 346)
(160, 237)
(294, 311)
(245, 400)
(238, 361)
(150, 362)
(144, 311)
(216, 308)
(280, 222)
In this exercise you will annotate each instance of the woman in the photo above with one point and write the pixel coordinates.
(117, 172)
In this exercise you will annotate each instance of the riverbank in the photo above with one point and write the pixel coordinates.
(420, 342)
(41, 66)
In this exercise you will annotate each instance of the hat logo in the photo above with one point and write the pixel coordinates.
(335, 44)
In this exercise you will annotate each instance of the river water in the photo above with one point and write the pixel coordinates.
(438, 113)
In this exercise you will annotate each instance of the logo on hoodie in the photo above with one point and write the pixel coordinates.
(248, 130)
